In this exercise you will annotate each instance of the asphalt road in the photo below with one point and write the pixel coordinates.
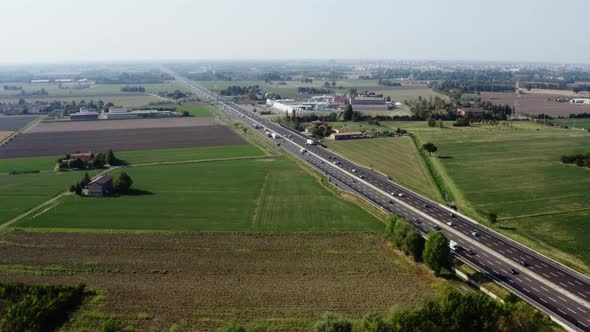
(551, 287)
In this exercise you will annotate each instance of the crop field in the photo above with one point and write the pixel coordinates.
(394, 156)
(75, 126)
(573, 123)
(52, 144)
(95, 90)
(15, 122)
(201, 281)
(19, 193)
(195, 110)
(261, 195)
(515, 171)
(536, 103)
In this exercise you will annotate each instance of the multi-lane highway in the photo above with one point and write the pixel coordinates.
(553, 288)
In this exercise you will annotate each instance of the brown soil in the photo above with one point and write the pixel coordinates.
(15, 122)
(61, 143)
(204, 280)
(67, 126)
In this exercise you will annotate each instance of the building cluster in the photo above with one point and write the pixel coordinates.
(584, 101)
(120, 113)
(24, 108)
(329, 103)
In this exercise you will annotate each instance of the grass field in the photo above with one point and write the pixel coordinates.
(18, 193)
(201, 281)
(195, 110)
(515, 171)
(140, 157)
(573, 123)
(394, 156)
(265, 195)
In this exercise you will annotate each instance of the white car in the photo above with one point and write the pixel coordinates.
(450, 223)
(401, 194)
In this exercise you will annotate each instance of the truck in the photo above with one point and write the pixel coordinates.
(275, 136)
(302, 151)
(309, 142)
(453, 245)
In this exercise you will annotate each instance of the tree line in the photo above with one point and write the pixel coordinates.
(579, 159)
(236, 90)
(37, 308)
(313, 90)
(133, 89)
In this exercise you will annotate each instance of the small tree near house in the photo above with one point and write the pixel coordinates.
(123, 183)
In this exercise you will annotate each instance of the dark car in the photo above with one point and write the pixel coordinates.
(471, 252)
(523, 263)
(452, 215)
(437, 227)
(513, 271)
(425, 205)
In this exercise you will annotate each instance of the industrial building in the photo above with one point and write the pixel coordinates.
(585, 101)
(84, 116)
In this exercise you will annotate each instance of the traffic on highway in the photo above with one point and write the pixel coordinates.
(555, 289)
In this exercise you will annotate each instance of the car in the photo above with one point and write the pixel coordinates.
(451, 215)
(513, 271)
(475, 233)
(278, 144)
(322, 162)
(401, 194)
(523, 263)
(362, 176)
(425, 206)
(471, 252)
(450, 223)
(390, 202)
(354, 170)
(392, 194)
(437, 227)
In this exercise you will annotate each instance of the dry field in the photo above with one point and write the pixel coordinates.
(67, 126)
(536, 103)
(15, 122)
(4, 135)
(201, 281)
(61, 143)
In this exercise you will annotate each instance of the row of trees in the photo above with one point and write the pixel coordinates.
(37, 308)
(128, 88)
(579, 159)
(98, 160)
(236, 90)
(313, 90)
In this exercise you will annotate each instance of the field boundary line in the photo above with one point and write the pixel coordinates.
(195, 161)
(34, 209)
(259, 201)
(524, 216)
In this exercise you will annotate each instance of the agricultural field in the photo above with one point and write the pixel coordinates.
(94, 91)
(15, 122)
(195, 110)
(18, 193)
(515, 171)
(62, 143)
(99, 125)
(123, 100)
(573, 123)
(536, 103)
(396, 157)
(201, 281)
(225, 196)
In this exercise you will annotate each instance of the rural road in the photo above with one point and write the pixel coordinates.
(553, 288)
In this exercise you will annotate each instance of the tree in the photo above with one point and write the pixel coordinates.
(347, 114)
(330, 322)
(85, 180)
(110, 158)
(492, 218)
(400, 231)
(431, 121)
(430, 148)
(72, 188)
(414, 244)
(123, 183)
(373, 322)
(436, 252)
(78, 189)
(390, 225)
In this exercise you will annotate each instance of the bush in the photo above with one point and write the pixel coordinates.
(373, 322)
(436, 252)
(331, 322)
(232, 326)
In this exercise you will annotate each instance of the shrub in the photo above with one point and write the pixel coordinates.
(331, 322)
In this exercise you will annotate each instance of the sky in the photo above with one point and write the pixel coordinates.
(452, 30)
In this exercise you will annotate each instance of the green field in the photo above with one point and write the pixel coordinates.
(195, 110)
(573, 123)
(395, 156)
(264, 195)
(515, 171)
(140, 157)
(18, 193)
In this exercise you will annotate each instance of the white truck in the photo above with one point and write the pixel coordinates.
(302, 151)
(275, 135)
(453, 245)
(309, 142)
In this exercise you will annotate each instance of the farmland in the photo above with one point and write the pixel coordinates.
(573, 123)
(19, 193)
(515, 171)
(15, 123)
(124, 100)
(79, 126)
(201, 281)
(226, 196)
(94, 91)
(51, 144)
(536, 103)
(395, 156)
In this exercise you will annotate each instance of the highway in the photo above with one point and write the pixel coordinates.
(553, 288)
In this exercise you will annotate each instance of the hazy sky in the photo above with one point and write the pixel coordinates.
(104, 30)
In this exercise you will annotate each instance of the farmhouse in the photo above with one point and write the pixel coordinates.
(471, 111)
(82, 155)
(101, 186)
(346, 135)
